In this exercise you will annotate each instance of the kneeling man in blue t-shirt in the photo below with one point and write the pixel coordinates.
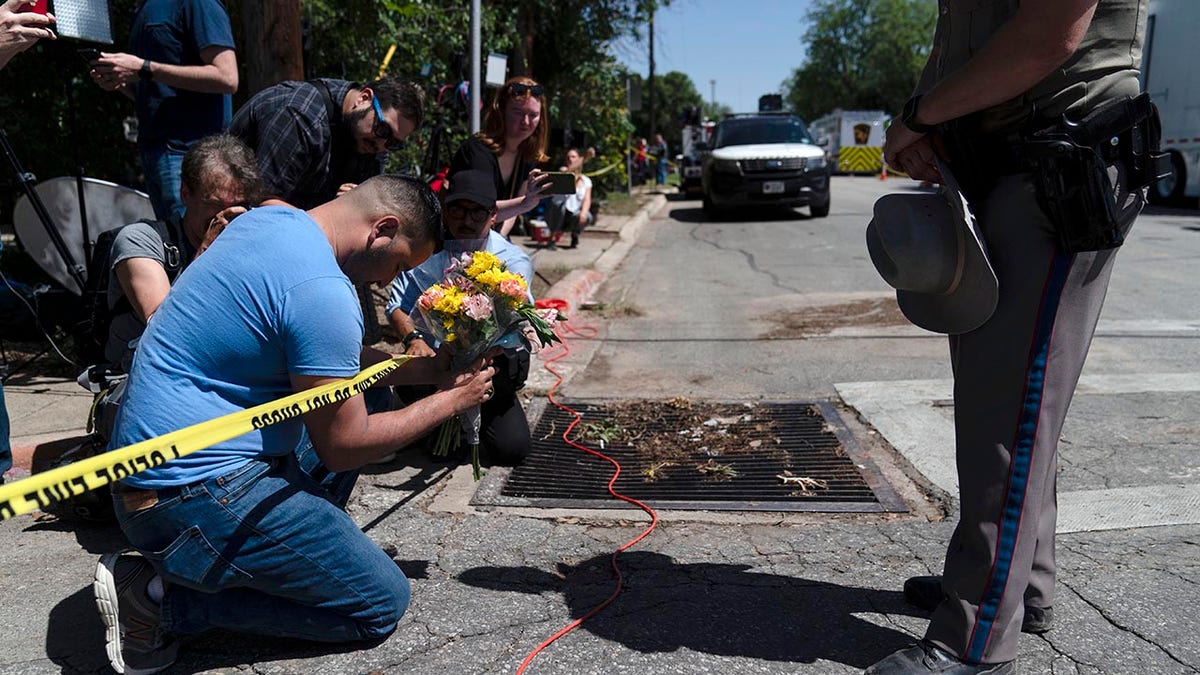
(246, 535)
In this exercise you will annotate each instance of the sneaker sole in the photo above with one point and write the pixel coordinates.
(104, 588)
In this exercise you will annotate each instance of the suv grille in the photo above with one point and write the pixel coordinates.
(780, 164)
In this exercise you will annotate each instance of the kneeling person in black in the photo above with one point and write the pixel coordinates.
(468, 215)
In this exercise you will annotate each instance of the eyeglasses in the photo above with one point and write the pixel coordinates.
(519, 90)
(381, 129)
(477, 215)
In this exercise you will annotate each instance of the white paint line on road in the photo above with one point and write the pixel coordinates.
(1124, 508)
(911, 416)
(1153, 328)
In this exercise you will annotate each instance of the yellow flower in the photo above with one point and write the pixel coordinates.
(482, 262)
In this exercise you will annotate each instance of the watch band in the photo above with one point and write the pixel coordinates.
(145, 73)
(909, 117)
(414, 334)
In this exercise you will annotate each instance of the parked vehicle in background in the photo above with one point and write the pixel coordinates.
(694, 148)
(1170, 75)
(853, 139)
(761, 159)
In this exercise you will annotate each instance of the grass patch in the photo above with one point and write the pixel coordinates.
(621, 204)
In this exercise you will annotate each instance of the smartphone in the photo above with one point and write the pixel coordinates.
(561, 183)
(88, 54)
(40, 7)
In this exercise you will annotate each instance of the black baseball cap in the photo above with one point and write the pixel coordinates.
(473, 186)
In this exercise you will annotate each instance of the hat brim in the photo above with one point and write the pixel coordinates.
(972, 303)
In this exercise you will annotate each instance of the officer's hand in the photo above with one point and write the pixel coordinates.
(899, 138)
(919, 161)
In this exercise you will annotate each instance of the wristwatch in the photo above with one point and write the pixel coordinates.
(909, 117)
(144, 73)
(414, 334)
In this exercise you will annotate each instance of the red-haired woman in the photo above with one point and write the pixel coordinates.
(512, 143)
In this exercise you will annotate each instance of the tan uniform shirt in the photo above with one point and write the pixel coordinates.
(1105, 66)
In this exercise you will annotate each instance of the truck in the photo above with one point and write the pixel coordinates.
(853, 139)
(1169, 74)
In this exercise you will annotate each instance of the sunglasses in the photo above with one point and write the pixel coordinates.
(477, 215)
(381, 128)
(519, 90)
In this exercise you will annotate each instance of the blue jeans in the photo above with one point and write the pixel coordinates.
(5, 447)
(162, 165)
(267, 549)
(661, 168)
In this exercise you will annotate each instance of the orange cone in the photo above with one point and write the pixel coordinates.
(883, 172)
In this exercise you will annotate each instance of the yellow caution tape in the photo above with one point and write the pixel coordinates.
(43, 489)
(601, 172)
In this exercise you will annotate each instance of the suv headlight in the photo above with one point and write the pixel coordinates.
(814, 163)
(727, 166)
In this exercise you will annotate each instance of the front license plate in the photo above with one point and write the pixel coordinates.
(773, 187)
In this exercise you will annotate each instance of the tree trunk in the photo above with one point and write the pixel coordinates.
(271, 43)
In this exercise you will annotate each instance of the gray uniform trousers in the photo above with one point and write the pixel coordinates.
(1013, 381)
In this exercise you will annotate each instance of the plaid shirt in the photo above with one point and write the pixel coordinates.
(303, 155)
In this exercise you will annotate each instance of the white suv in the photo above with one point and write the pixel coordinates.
(765, 159)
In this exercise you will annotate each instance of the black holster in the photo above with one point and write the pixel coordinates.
(1069, 163)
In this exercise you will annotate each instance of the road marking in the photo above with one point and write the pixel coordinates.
(916, 417)
(1154, 328)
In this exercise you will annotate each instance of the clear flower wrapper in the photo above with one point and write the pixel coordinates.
(477, 305)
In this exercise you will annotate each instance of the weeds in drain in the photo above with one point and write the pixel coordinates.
(551, 431)
(603, 432)
(679, 403)
(713, 469)
(656, 471)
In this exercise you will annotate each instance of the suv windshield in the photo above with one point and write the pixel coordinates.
(754, 130)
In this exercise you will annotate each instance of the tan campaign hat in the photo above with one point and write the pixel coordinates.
(928, 247)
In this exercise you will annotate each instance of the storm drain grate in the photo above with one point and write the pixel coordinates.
(687, 455)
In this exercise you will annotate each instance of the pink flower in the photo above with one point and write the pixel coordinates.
(478, 307)
(513, 289)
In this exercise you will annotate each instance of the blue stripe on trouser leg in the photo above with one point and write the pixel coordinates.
(1022, 454)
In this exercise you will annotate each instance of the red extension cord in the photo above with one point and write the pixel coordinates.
(555, 303)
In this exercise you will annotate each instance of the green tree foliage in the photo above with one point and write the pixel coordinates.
(673, 92)
(862, 54)
(567, 50)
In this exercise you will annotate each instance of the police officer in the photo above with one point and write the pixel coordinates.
(997, 71)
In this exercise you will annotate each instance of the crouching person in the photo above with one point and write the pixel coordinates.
(240, 536)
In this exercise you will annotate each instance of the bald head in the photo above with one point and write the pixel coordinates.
(410, 200)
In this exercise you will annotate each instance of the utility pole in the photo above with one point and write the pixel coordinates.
(476, 55)
(271, 50)
(713, 100)
(650, 82)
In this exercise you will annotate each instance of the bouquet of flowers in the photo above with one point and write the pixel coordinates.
(476, 306)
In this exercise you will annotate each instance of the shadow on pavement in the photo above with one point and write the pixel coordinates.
(75, 635)
(720, 609)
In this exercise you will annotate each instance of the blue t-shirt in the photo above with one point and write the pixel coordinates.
(408, 286)
(267, 300)
(175, 32)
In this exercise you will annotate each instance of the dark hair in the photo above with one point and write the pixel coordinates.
(402, 95)
(409, 199)
(223, 155)
(533, 149)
